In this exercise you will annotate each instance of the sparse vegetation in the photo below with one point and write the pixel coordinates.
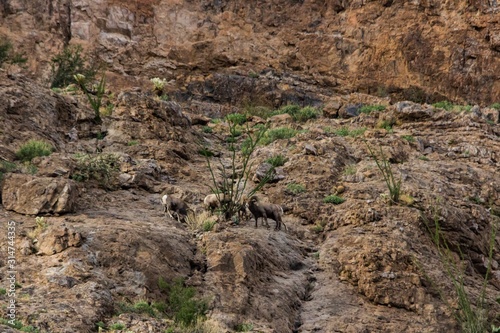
(234, 180)
(100, 167)
(132, 143)
(67, 64)
(371, 108)
(207, 129)
(277, 134)
(345, 131)
(41, 225)
(445, 105)
(495, 106)
(32, 149)
(94, 97)
(298, 113)
(473, 319)
(204, 151)
(117, 326)
(236, 118)
(385, 167)
(333, 199)
(245, 327)
(350, 170)
(19, 326)
(7, 55)
(408, 138)
(6, 167)
(295, 188)
(277, 161)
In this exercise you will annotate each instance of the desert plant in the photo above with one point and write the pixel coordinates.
(277, 134)
(236, 118)
(117, 326)
(408, 138)
(67, 64)
(333, 199)
(7, 54)
(350, 170)
(294, 188)
(158, 84)
(371, 108)
(186, 308)
(298, 113)
(132, 143)
(472, 319)
(446, 105)
(94, 97)
(100, 167)
(385, 167)
(32, 149)
(277, 160)
(6, 167)
(207, 129)
(234, 184)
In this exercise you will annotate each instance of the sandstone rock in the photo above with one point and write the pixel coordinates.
(38, 195)
(57, 239)
(350, 111)
(281, 119)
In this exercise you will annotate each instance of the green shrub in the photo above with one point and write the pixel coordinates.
(3, 291)
(345, 131)
(94, 98)
(236, 118)
(333, 199)
(182, 302)
(67, 64)
(6, 167)
(33, 148)
(294, 188)
(370, 108)
(300, 114)
(208, 225)
(385, 167)
(101, 167)
(278, 133)
(117, 326)
(207, 129)
(132, 143)
(408, 138)
(446, 105)
(138, 307)
(495, 106)
(277, 161)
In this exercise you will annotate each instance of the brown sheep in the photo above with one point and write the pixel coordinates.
(266, 210)
(176, 205)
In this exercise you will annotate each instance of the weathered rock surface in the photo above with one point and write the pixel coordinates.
(39, 195)
(310, 46)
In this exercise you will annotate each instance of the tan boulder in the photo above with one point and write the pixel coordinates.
(31, 195)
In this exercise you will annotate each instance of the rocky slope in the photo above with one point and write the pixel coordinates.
(360, 266)
(104, 245)
(418, 50)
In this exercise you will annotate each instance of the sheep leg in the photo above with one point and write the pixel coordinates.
(267, 222)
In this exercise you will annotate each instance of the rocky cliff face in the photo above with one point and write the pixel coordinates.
(104, 246)
(419, 50)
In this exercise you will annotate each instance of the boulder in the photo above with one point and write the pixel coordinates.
(57, 239)
(264, 169)
(31, 195)
(409, 111)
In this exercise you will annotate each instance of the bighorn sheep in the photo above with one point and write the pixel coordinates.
(266, 210)
(176, 205)
(211, 202)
